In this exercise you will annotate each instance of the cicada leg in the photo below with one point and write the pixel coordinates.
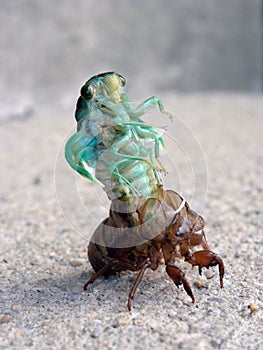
(121, 143)
(98, 274)
(147, 132)
(148, 264)
(122, 117)
(143, 107)
(178, 277)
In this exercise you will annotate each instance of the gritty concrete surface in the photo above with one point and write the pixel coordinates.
(43, 260)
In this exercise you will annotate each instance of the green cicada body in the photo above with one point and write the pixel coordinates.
(113, 146)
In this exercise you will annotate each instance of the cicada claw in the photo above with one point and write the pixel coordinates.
(206, 258)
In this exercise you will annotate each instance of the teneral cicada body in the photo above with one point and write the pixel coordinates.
(146, 224)
(111, 146)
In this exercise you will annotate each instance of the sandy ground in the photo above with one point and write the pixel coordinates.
(43, 260)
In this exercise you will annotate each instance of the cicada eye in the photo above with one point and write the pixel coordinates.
(123, 81)
(87, 91)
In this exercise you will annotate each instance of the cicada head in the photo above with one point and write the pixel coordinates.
(102, 87)
(105, 85)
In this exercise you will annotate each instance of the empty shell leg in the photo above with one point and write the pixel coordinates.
(137, 282)
(178, 278)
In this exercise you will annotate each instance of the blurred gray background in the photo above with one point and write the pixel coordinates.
(203, 59)
(49, 48)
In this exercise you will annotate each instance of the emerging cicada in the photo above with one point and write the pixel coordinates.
(116, 149)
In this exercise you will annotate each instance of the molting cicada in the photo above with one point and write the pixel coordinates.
(116, 149)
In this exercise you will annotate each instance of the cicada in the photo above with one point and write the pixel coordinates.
(116, 149)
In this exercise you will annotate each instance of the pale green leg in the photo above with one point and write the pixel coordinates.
(145, 131)
(157, 175)
(121, 143)
(140, 110)
(143, 107)
(120, 117)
